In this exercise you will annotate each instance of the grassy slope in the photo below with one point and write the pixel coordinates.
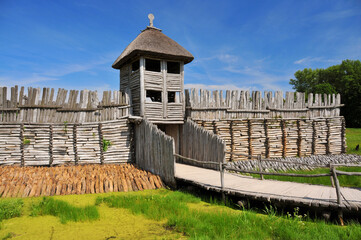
(163, 214)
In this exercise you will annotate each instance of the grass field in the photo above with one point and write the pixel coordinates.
(353, 137)
(345, 181)
(156, 214)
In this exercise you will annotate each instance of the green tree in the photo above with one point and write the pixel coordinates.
(344, 78)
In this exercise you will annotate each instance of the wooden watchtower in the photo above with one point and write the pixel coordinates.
(152, 71)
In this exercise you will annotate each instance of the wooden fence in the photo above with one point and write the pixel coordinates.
(38, 106)
(154, 151)
(198, 143)
(29, 144)
(279, 137)
(205, 104)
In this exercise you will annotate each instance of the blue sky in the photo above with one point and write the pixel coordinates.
(256, 45)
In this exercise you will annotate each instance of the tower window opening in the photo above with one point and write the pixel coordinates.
(173, 67)
(173, 97)
(135, 66)
(152, 65)
(153, 96)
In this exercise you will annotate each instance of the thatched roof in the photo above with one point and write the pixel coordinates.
(152, 42)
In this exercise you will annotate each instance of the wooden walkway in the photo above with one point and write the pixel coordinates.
(296, 194)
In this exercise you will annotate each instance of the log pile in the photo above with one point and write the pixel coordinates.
(82, 179)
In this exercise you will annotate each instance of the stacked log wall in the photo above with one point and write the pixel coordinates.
(278, 137)
(57, 144)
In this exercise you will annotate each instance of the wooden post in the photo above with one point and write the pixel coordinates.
(337, 183)
(51, 154)
(101, 142)
(75, 147)
(266, 142)
(313, 148)
(163, 65)
(232, 140)
(284, 138)
(141, 85)
(299, 139)
(250, 149)
(22, 158)
(259, 158)
(221, 170)
(328, 136)
(343, 134)
(331, 177)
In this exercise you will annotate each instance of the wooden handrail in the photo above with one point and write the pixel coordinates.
(195, 160)
(278, 174)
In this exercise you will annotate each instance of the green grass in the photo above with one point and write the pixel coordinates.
(10, 208)
(345, 181)
(198, 220)
(353, 137)
(65, 211)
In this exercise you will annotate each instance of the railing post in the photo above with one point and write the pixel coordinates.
(337, 183)
(221, 170)
(338, 192)
(331, 177)
(259, 158)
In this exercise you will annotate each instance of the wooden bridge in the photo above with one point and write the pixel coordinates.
(287, 193)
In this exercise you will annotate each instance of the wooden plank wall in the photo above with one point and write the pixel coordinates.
(57, 144)
(278, 137)
(205, 104)
(46, 106)
(155, 151)
(202, 145)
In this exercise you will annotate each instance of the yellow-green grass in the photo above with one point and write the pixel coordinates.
(112, 223)
(353, 138)
(164, 214)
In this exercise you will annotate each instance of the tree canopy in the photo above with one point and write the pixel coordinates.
(344, 78)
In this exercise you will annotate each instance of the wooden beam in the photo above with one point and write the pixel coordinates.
(142, 90)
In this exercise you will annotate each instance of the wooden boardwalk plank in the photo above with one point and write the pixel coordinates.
(298, 193)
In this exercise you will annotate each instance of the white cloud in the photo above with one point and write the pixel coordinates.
(309, 60)
(336, 15)
(11, 81)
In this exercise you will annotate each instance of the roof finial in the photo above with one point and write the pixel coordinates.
(151, 18)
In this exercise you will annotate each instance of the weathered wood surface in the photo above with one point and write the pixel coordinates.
(154, 151)
(64, 180)
(279, 137)
(205, 104)
(270, 190)
(198, 143)
(44, 106)
(56, 144)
